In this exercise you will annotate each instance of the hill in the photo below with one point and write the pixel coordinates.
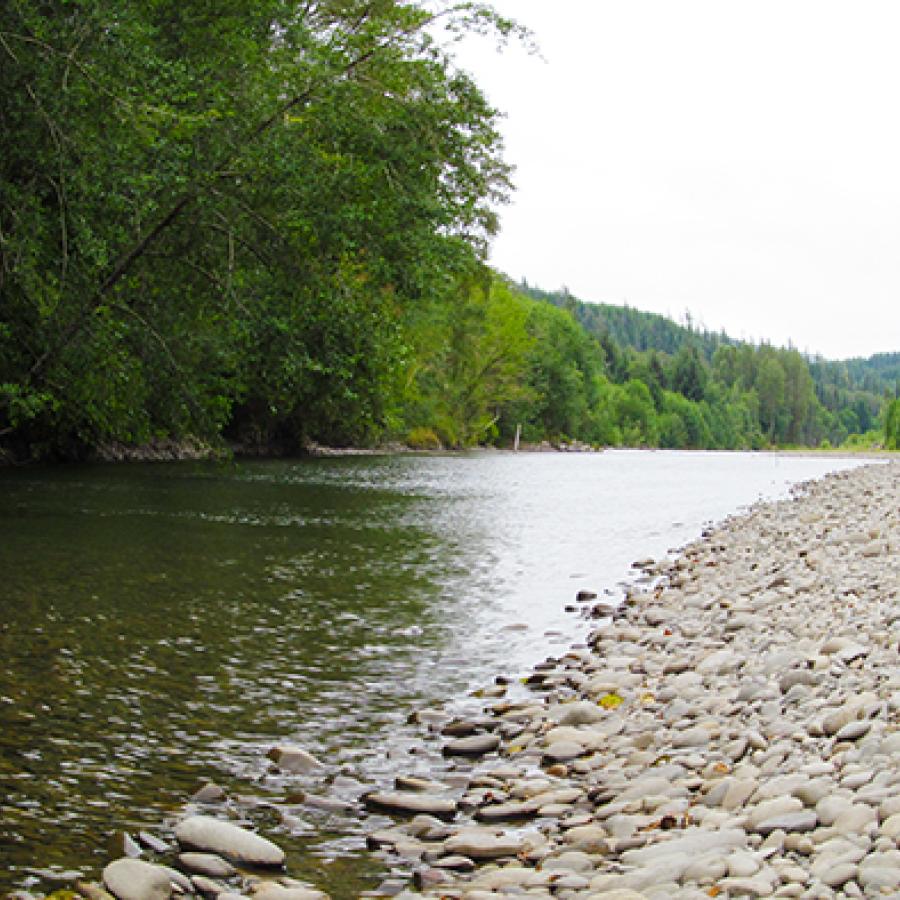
(853, 390)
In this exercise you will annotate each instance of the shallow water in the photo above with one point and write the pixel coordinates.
(166, 624)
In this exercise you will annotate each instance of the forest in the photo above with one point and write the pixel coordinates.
(262, 225)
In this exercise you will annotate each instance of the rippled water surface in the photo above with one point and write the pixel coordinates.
(163, 625)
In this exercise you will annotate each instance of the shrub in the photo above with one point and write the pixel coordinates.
(423, 439)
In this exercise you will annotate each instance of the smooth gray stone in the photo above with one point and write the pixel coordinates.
(697, 736)
(209, 793)
(272, 891)
(206, 834)
(483, 844)
(513, 810)
(411, 803)
(206, 864)
(153, 843)
(179, 880)
(294, 759)
(695, 842)
(581, 712)
(839, 874)
(805, 820)
(134, 879)
(563, 751)
(455, 863)
(880, 872)
(88, 889)
(207, 886)
(853, 731)
(476, 745)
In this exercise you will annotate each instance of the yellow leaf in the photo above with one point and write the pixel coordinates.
(610, 701)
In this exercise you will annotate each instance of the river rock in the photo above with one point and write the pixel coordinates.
(206, 834)
(803, 820)
(589, 838)
(294, 759)
(880, 872)
(839, 874)
(411, 803)
(563, 751)
(180, 881)
(890, 827)
(88, 889)
(694, 842)
(853, 731)
(582, 712)
(134, 879)
(829, 808)
(691, 737)
(483, 844)
(475, 745)
(206, 864)
(209, 887)
(516, 809)
(209, 793)
(270, 890)
(618, 894)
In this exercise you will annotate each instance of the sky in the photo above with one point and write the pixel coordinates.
(738, 160)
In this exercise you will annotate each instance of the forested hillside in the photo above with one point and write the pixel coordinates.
(850, 395)
(631, 327)
(264, 224)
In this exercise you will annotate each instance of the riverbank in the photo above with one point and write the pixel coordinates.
(767, 649)
(732, 733)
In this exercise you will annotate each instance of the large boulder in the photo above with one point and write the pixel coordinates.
(209, 835)
(134, 879)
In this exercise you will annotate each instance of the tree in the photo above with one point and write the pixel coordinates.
(892, 425)
(192, 194)
(472, 364)
(563, 366)
(636, 415)
(688, 375)
(799, 395)
(770, 389)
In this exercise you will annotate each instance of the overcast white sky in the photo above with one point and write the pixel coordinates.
(736, 158)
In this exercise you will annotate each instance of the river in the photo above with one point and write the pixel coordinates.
(166, 624)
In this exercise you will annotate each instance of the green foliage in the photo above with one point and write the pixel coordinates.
(688, 375)
(266, 223)
(562, 369)
(470, 360)
(420, 438)
(892, 425)
(215, 216)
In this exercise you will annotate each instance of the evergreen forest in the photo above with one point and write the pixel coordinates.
(263, 225)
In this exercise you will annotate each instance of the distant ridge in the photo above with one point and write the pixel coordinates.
(631, 327)
(858, 382)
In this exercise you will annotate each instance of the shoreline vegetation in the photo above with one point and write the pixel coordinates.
(730, 729)
(272, 228)
(165, 450)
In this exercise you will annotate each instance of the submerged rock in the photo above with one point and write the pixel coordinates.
(294, 759)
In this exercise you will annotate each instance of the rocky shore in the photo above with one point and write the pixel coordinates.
(731, 730)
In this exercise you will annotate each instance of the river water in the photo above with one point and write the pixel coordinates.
(164, 625)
